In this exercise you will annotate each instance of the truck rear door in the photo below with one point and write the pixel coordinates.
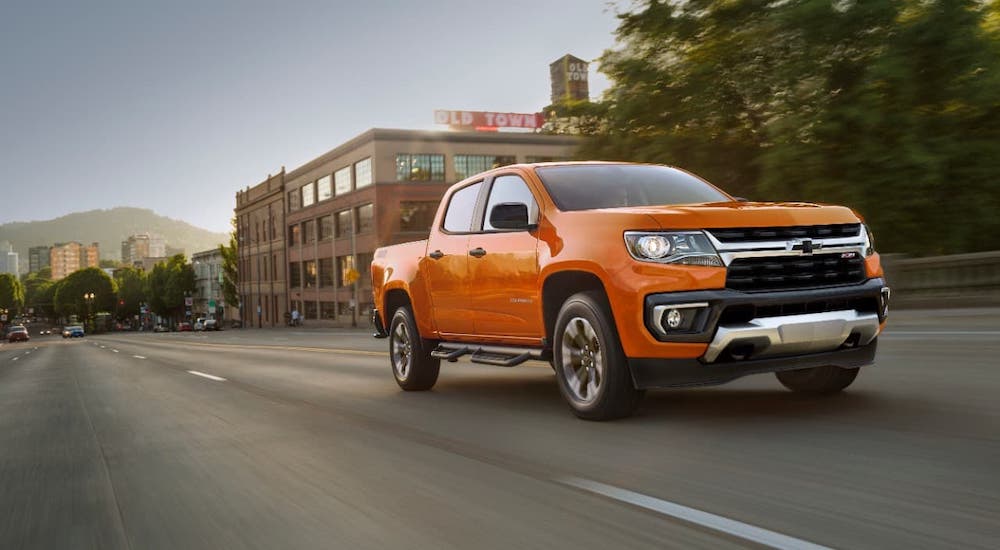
(446, 265)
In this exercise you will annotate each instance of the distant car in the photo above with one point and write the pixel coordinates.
(184, 327)
(43, 332)
(199, 325)
(160, 328)
(73, 332)
(17, 333)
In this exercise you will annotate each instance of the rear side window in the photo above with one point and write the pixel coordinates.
(461, 208)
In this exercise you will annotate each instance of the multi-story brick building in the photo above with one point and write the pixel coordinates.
(307, 236)
(65, 258)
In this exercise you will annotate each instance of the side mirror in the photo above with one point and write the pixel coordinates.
(510, 215)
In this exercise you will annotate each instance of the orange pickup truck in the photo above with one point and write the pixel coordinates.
(627, 277)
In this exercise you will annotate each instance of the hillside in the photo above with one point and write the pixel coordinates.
(109, 228)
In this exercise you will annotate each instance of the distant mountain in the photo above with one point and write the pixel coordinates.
(109, 228)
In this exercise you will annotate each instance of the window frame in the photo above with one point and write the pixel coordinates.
(477, 208)
(486, 202)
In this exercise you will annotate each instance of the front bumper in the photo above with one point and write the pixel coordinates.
(749, 333)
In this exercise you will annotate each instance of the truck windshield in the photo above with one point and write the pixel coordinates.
(590, 186)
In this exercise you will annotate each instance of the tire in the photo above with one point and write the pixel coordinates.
(817, 380)
(410, 355)
(590, 365)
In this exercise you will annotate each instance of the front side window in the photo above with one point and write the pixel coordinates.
(470, 165)
(419, 167)
(590, 186)
(510, 188)
(323, 188)
(461, 208)
(363, 173)
(308, 194)
(342, 180)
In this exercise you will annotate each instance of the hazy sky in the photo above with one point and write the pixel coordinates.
(174, 105)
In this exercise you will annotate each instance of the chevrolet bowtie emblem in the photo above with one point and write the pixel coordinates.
(806, 246)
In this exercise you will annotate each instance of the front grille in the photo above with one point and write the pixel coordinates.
(753, 234)
(793, 272)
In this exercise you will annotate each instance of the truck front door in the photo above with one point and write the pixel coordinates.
(504, 268)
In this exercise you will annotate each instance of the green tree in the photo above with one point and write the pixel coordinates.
(887, 106)
(230, 269)
(69, 296)
(132, 287)
(11, 294)
(35, 288)
(168, 284)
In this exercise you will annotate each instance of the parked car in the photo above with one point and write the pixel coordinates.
(205, 324)
(160, 328)
(184, 326)
(627, 277)
(17, 333)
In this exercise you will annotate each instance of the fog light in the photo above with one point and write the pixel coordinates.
(674, 318)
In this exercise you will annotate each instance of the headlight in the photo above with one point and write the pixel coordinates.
(869, 240)
(681, 247)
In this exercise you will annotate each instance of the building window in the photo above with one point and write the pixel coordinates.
(310, 312)
(328, 310)
(363, 173)
(325, 228)
(344, 265)
(326, 272)
(470, 165)
(308, 231)
(343, 223)
(458, 218)
(323, 189)
(342, 180)
(417, 215)
(365, 268)
(294, 274)
(366, 217)
(294, 235)
(294, 200)
(309, 274)
(308, 194)
(419, 167)
(344, 308)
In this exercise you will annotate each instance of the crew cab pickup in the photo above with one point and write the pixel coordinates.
(627, 277)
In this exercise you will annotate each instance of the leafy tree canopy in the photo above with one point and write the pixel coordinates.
(69, 296)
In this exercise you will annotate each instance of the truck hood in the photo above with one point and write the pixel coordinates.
(738, 214)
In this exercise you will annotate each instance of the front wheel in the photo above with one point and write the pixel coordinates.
(412, 364)
(817, 380)
(589, 362)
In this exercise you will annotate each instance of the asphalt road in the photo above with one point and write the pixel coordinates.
(301, 439)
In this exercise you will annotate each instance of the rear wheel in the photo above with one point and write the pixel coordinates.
(817, 380)
(589, 362)
(412, 364)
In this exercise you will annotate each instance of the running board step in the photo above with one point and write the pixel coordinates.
(498, 356)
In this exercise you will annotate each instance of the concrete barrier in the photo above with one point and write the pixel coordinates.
(958, 280)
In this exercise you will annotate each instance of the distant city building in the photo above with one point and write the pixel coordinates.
(65, 258)
(38, 258)
(306, 237)
(569, 75)
(8, 259)
(208, 299)
(147, 264)
(143, 245)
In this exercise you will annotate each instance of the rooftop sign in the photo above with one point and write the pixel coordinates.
(488, 119)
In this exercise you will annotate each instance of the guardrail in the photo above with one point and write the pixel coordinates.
(959, 280)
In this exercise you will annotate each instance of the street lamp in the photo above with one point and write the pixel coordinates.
(89, 298)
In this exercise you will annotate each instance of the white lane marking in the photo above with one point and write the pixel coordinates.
(738, 529)
(209, 376)
(138, 357)
(114, 350)
(102, 347)
(15, 358)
